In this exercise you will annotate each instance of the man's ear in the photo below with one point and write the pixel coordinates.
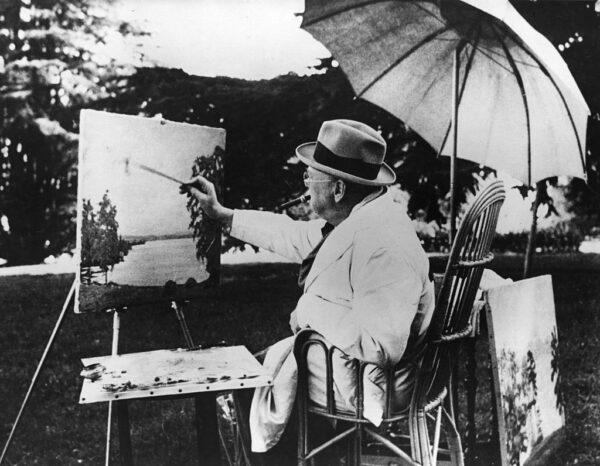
(339, 190)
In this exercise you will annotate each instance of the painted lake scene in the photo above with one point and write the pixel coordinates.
(159, 261)
(140, 240)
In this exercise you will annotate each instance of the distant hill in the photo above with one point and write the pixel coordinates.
(139, 239)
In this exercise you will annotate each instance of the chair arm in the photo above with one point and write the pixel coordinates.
(308, 338)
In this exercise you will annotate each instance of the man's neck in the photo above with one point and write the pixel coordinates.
(340, 214)
(345, 209)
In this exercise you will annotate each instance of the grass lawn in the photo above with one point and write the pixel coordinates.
(251, 307)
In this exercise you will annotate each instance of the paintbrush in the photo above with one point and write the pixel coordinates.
(151, 170)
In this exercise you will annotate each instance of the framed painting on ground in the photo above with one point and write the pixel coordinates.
(524, 353)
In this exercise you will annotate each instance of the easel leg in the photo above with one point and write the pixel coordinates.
(114, 352)
(206, 417)
(124, 434)
(207, 430)
(38, 369)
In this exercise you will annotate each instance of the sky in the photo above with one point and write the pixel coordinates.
(252, 39)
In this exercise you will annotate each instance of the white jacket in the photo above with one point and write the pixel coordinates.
(367, 292)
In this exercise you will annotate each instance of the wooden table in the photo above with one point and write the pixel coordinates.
(180, 372)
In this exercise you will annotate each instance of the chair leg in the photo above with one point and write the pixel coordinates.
(424, 441)
(413, 430)
(419, 438)
(350, 451)
(358, 444)
(454, 443)
(302, 437)
(355, 447)
(452, 435)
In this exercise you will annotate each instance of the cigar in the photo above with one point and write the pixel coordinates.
(293, 202)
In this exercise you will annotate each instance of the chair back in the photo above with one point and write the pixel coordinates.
(451, 320)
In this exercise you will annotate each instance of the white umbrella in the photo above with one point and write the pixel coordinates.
(516, 105)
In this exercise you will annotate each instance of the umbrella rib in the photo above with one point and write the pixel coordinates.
(564, 101)
(519, 79)
(404, 56)
(426, 11)
(491, 52)
(464, 83)
(489, 57)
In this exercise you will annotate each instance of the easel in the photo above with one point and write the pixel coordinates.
(199, 372)
(206, 423)
(205, 417)
(122, 409)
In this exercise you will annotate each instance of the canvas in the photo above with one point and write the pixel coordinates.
(524, 350)
(139, 239)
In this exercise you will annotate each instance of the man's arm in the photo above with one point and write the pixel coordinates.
(274, 232)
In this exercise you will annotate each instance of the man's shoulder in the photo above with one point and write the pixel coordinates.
(385, 222)
(390, 229)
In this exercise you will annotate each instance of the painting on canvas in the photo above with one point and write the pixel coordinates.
(139, 240)
(522, 327)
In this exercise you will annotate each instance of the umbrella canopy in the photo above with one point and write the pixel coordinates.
(519, 108)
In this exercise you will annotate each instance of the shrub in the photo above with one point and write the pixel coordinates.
(563, 237)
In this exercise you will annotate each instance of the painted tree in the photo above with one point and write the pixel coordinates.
(206, 231)
(89, 233)
(51, 64)
(101, 246)
(106, 251)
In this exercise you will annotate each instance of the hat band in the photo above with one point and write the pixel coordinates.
(354, 167)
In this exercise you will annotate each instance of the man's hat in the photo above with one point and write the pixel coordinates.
(349, 150)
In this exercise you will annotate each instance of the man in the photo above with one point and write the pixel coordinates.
(364, 275)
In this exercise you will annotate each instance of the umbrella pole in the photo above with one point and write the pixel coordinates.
(454, 149)
(532, 231)
(454, 394)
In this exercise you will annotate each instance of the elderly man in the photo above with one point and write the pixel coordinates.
(364, 275)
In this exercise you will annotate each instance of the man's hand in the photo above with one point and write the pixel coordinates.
(204, 191)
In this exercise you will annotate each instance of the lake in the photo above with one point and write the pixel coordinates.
(156, 262)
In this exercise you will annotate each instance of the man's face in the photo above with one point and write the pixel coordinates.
(321, 188)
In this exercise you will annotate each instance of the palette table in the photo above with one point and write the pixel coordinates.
(179, 372)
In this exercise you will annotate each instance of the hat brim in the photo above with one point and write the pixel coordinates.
(305, 153)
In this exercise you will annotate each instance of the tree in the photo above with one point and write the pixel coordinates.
(206, 231)
(574, 28)
(106, 251)
(50, 55)
(89, 234)
(101, 245)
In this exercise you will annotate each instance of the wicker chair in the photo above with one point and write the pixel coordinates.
(430, 406)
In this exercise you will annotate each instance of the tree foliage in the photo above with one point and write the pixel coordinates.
(51, 66)
(101, 245)
(207, 231)
(574, 28)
